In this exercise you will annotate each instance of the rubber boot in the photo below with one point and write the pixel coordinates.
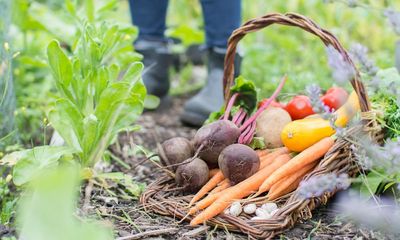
(211, 96)
(157, 59)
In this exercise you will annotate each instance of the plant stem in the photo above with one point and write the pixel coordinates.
(230, 105)
(249, 136)
(264, 106)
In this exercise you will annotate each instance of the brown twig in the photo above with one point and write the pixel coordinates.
(149, 233)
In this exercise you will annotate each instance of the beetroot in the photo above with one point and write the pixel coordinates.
(213, 138)
(192, 175)
(238, 162)
(175, 151)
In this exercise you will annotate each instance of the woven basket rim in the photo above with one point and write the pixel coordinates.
(294, 20)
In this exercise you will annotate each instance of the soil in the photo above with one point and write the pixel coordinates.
(132, 222)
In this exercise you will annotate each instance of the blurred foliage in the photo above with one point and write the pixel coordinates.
(7, 95)
(48, 209)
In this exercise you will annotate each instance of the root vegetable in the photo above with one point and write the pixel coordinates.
(222, 199)
(238, 162)
(270, 124)
(175, 151)
(192, 175)
(298, 162)
(213, 138)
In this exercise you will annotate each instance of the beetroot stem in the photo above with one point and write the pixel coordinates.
(264, 106)
(230, 105)
(241, 118)
(238, 118)
(249, 136)
(237, 115)
(243, 134)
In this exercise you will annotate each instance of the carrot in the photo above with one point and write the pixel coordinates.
(205, 202)
(289, 183)
(239, 191)
(305, 157)
(264, 161)
(213, 172)
(217, 178)
(221, 186)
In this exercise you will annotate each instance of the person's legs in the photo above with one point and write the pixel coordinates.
(221, 17)
(149, 16)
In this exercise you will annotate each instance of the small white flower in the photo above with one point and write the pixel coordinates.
(250, 208)
(235, 209)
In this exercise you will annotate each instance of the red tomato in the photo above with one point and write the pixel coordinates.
(299, 107)
(273, 103)
(334, 98)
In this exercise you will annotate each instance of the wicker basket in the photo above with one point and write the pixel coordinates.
(163, 198)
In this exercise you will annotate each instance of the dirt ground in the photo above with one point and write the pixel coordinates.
(132, 222)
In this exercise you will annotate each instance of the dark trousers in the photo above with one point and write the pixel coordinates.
(221, 17)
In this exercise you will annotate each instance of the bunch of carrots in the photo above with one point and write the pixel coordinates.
(280, 173)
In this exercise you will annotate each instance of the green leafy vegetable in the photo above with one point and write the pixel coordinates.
(246, 100)
(248, 93)
(28, 164)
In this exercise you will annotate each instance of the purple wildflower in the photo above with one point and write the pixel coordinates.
(371, 155)
(383, 215)
(318, 185)
(314, 92)
(360, 54)
(342, 70)
(394, 19)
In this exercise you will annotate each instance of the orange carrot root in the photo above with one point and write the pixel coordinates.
(289, 183)
(213, 172)
(305, 157)
(239, 191)
(217, 178)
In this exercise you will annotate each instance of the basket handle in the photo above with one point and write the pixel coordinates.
(289, 19)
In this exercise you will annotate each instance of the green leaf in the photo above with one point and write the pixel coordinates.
(248, 93)
(187, 34)
(108, 6)
(151, 102)
(90, 136)
(32, 61)
(71, 7)
(257, 143)
(29, 163)
(370, 183)
(68, 122)
(134, 73)
(387, 77)
(89, 7)
(48, 207)
(61, 67)
(214, 116)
